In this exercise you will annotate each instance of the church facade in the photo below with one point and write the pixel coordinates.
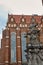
(13, 42)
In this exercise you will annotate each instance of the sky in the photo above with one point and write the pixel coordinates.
(26, 7)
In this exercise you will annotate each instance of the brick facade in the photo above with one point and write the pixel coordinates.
(17, 24)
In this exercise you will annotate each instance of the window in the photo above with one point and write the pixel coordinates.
(13, 47)
(23, 40)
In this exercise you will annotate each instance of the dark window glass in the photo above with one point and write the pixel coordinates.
(13, 47)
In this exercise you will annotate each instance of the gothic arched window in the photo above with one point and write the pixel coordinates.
(13, 47)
